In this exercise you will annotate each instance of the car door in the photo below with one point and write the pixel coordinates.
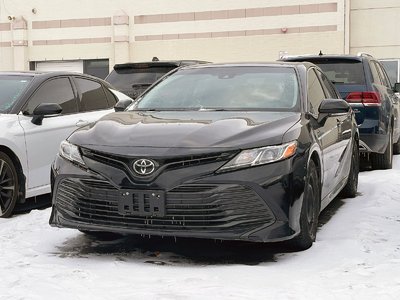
(344, 128)
(42, 141)
(326, 132)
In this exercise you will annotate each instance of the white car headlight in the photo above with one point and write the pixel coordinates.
(71, 152)
(260, 156)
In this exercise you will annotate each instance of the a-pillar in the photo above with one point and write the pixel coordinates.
(20, 44)
(121, 38)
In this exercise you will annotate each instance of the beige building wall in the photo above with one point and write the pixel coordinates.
(135, 30)
(375, 27)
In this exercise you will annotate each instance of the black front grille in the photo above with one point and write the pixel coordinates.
(163, 164)
(198, 208)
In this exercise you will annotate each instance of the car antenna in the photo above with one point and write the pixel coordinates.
(155, 58)
(320, 53)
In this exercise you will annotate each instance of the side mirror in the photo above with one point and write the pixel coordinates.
(333, 106)
(122, 104)
(396, 87)
(330, 107)
(43, 110)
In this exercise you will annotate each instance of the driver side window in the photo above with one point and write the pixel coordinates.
(315, 92)
(58, 91)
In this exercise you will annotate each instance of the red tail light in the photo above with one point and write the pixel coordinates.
(366, 98)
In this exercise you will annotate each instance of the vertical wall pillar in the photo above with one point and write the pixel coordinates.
(347, 12)
(19, 30)
(121, 38)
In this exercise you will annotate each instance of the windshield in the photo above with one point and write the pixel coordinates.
(225, 88)
(11, 88)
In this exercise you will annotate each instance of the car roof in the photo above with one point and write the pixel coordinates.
(46, 74)
(252, 64)
(159, 63)
(323, 57)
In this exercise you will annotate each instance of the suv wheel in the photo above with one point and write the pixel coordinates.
(396, 147)
(8, 186)
(384, 161)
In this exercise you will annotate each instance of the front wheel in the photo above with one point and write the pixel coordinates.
(309, 210)
(8, 186)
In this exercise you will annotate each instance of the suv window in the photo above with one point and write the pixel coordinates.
(58, 91)
(314, 91)
(375, 75)
(382, 74)
(392, 69)
(342, 71)
(134, 80)
(93, 96)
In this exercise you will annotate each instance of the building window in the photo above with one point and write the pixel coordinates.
(96, 67)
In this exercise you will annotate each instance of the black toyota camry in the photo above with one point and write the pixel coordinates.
(223, 151)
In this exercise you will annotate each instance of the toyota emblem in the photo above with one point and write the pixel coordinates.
(144, 166)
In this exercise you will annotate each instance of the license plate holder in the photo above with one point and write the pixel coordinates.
(141, 203)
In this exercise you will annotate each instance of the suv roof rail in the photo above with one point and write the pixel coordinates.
(364, 54)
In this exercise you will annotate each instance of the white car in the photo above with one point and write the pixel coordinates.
(37, 112)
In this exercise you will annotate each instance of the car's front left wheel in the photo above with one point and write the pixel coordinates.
(8, 186)
(309, 210)
(350, 189)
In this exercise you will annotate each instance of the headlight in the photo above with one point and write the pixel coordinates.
(71, 152)
(260, 156)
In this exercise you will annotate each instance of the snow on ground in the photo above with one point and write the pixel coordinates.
(356, 256)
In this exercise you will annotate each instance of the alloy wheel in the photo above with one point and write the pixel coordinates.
(7, 187)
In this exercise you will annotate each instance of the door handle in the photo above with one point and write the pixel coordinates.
(81, 123)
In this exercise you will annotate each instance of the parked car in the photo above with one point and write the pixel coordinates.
(227, 151)
(363, 82)
(133, 79)
(37, 112)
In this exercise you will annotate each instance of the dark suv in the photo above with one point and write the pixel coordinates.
(363, 82)
(133, 79)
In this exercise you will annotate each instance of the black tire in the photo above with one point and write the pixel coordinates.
(396, 147)
(9, 186)
(350, 189)
(383, 161)
(309, 210)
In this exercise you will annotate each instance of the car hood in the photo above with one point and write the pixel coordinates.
(189, 132)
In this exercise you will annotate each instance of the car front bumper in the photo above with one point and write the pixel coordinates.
(259, 204)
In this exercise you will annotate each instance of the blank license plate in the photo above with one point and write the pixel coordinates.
(142, 203)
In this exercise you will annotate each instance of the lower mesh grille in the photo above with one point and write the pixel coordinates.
(200, 208)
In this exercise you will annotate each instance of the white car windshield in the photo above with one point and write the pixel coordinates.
(11, 88)
(225, 88)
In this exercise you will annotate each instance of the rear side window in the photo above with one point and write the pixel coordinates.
(93, 96)
(375, 75)
(58, 91)
(382, 74)
(343, 71)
